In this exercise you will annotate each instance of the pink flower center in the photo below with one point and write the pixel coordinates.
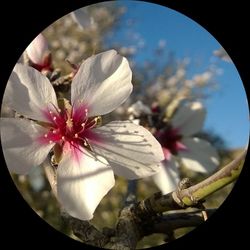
(170, 139)
(70, 126)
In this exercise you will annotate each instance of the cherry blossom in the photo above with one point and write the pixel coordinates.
(87, 155)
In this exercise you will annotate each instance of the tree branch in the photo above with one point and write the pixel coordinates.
(131, 192)
(215, 182)
(85, 231)
(170, 222)
(145, 217)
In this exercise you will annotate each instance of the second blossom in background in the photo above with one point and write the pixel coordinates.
(180, 145)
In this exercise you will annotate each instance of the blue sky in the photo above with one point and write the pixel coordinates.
(227, 109)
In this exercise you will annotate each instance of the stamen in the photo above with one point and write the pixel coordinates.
(46, 135)
(57, 109)
(63, 138)
(76, 135)
(54, 131)
(81, 130)
(50, 142)
(54, 118)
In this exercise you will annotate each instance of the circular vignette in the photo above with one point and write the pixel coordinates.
(237, 192)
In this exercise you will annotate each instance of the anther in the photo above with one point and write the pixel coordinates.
(54, 131)
(46, 135)
(76, 135)
(63, 138)
(54, 118)
(50, 142)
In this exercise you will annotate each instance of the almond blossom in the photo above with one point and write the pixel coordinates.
(178, 140)
(39, 54)
(86, 154)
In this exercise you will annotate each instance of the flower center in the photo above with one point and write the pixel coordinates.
(69, 125)
(170, 139)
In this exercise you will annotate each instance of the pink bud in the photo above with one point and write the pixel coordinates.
(39, 54)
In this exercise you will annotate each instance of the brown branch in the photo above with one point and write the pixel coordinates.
(169, 222)
(86, 232)
(145, 217)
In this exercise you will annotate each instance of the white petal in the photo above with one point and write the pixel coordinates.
(200, 155)
(82, 18)
(168, 177)
(131, 150)
(102, 83)
(31, 92)
(21, 149)
(82, 184)
(189, 118)
(37, 49)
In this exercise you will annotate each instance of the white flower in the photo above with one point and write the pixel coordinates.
(87, 156)
(178, 141)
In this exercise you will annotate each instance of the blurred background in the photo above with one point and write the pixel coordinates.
(174, 62)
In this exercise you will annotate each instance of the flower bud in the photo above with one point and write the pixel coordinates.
(39, 54)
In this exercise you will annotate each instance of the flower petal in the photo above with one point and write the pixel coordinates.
(37, 49)
(82, 184)
(189, 118)
(21, 149)
(102, 83)
(200, 156)
(31, 92)
(131, 150)
(168, 177)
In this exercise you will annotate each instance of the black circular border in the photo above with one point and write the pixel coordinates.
(21, 21)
